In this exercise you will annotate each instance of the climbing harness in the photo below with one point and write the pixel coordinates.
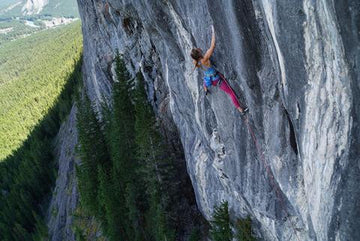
(220, 79)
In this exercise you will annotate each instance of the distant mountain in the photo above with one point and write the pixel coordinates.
(4, 3)
(32, 7)
(54, 8)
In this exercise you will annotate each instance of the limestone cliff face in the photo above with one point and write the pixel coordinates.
(33, 6)
(294, 63)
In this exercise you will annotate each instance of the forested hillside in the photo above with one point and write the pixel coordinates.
(33, 72)
(28, 175)
(39, 77)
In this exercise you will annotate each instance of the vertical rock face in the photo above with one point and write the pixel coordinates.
(65, 195)
(294, 63)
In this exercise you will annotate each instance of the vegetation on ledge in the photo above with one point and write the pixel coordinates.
(221, 227)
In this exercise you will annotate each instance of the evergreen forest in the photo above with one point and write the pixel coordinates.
(127, 179)
(221, 228)
(39, 79)
(33, 73)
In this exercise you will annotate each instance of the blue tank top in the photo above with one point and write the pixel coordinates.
(210, 76)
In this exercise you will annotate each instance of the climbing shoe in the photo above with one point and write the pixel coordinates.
(245, 110)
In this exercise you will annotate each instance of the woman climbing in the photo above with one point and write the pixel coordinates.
(212, 76)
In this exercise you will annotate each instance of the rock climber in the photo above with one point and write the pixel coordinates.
(212, 76)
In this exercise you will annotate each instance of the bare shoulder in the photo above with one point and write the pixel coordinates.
(206, 62)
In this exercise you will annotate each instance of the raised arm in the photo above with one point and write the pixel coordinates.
(210, 51)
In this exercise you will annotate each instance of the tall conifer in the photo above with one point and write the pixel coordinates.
(93, 152)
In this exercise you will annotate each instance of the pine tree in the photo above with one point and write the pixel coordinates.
(147, 139)
(134, 215)
(155, 168)
(220, 229)
(157, 220)
(123, 147)
(93, 152)
(109, 205)
(122, 143)
(115, 178)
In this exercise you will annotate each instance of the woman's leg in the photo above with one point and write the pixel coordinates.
(227, 89)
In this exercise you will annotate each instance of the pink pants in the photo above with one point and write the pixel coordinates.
(227, 89)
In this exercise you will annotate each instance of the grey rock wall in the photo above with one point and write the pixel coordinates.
(65, 194)
(294, 63)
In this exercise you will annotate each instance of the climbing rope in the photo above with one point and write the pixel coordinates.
(273, 183)
(270, 174)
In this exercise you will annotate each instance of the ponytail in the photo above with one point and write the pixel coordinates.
(196, 56)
